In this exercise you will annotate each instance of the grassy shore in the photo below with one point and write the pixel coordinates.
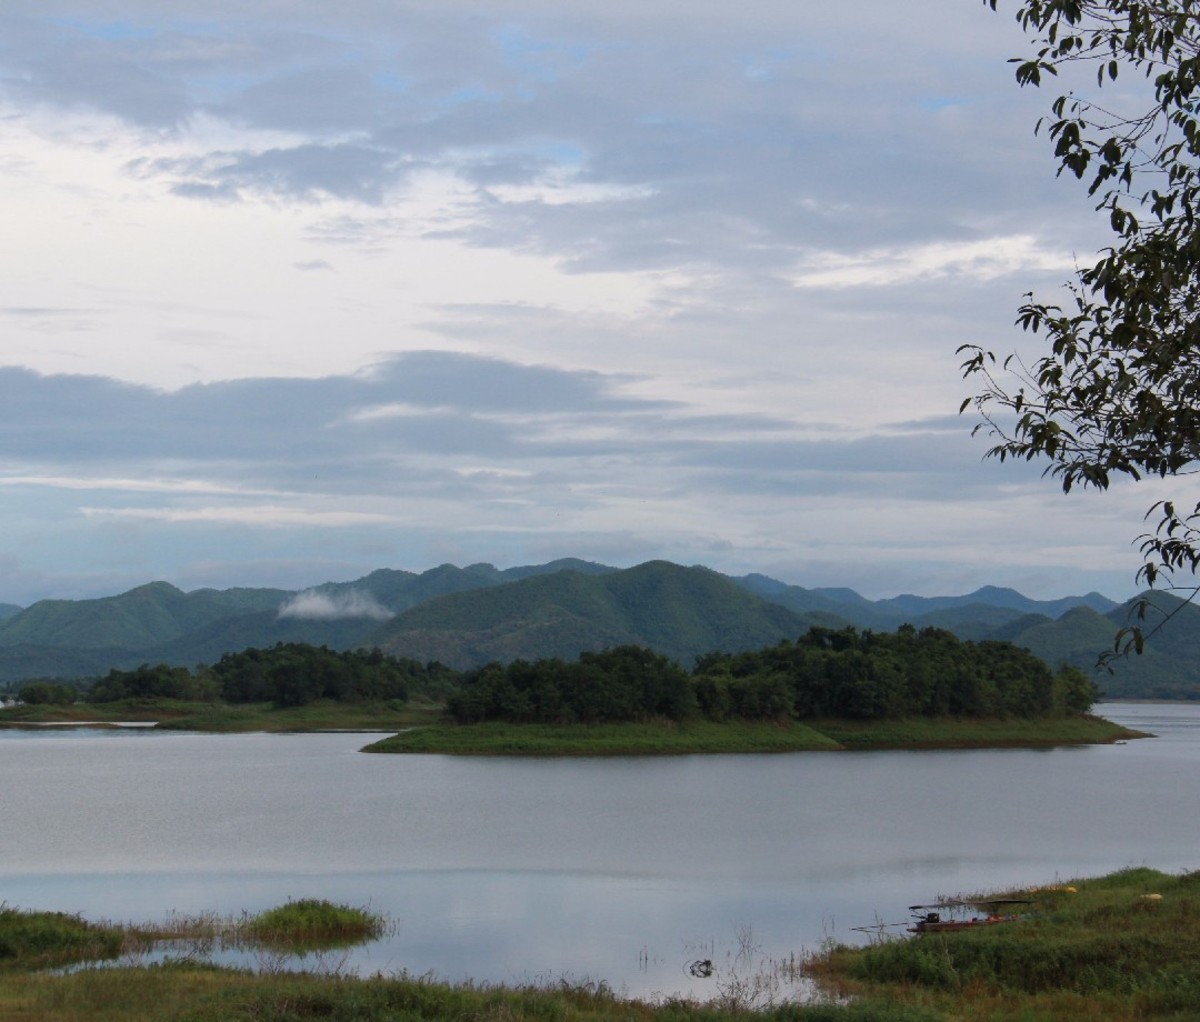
(1120, 947)
(324, 715)
(424, 730)
(1124, 946)
(500, 739)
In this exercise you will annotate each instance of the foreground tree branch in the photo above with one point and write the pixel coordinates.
(1118, 391)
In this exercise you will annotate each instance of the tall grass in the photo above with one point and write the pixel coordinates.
(41, 939)
(185, 994)
(1122, 946)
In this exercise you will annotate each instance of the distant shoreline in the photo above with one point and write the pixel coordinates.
(739, 737)
(420, 729)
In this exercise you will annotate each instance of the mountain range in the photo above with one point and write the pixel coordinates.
(464, 617)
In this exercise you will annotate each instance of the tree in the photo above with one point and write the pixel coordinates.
(1118, 393)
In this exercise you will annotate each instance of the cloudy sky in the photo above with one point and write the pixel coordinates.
(294, 290)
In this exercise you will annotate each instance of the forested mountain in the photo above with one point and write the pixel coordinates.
(468, 616)
(680, 612)
(1168, 669)
(146, 616)
(399, 590)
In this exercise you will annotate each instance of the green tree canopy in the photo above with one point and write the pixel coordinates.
(1117, 391)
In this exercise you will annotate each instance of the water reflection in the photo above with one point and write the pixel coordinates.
(625, 871)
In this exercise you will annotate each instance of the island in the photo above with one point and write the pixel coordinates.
(830, 689)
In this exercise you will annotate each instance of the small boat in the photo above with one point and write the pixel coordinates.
(950, 915)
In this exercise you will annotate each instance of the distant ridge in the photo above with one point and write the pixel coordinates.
(677, 611)
(467, 616)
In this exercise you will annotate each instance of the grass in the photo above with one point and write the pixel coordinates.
(311, 924)
(501, 739)
(187, 993)
(430, 734)
(124, 710)
(953, 733)
(668, 738)
(324, 715)
(42, 939)
(1125, 946)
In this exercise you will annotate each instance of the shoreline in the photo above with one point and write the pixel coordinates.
(421, 730)
(706, 738)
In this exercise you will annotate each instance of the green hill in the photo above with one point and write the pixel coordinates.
(467, 616)
(680, 612)
(147, 616)
(399, 590)
(1168, 669)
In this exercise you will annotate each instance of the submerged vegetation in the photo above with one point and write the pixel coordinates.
(1116, 947)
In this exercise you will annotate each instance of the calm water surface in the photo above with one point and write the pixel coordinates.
(621, 870)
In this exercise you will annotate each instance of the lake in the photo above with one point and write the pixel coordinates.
(625, 871)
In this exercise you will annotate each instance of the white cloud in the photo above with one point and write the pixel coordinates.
(319, 606)
(129, 484)
(983, 261)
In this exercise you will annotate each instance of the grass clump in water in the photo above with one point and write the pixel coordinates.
(40, 939)
(311, 924)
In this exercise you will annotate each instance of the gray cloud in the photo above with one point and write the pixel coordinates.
(712, 157)
(432, 422)
(755, 135)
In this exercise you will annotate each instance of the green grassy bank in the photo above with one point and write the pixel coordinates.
(181, 715)
(671, 738)
(424, 729)
(1121, 947)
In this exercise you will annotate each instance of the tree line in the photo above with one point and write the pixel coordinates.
(825, 673)
(287, 674)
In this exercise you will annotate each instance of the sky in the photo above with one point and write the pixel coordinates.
(291, 291)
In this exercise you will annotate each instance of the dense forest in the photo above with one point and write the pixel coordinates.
(288, 674)
(825, 673)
